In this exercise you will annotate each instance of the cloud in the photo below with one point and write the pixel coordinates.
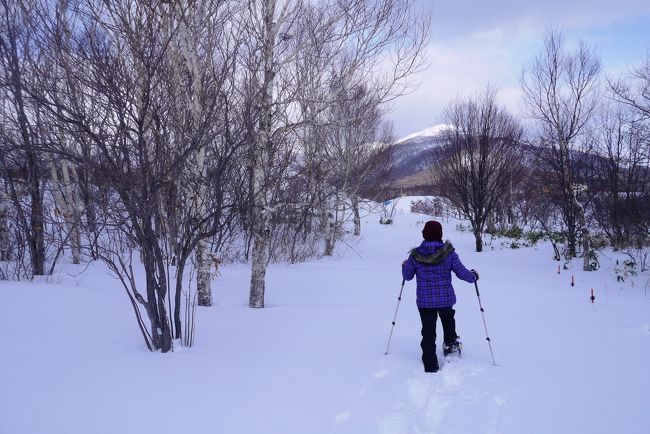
(479, 43)
(465, 66)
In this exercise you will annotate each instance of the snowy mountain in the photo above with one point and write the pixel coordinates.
(410, 157)
(434, 131)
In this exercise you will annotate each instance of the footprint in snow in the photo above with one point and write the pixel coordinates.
(381, 373)
(430, 398)
(342, 416)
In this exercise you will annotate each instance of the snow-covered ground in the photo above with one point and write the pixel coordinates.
(313, 361)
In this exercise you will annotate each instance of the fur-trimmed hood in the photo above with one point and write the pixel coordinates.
(432, 252)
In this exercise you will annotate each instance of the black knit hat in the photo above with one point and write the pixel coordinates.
(432, 231)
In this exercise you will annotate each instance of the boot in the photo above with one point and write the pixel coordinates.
(452, 348)
(433, 367)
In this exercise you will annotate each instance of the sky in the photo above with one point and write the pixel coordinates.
(478, 43)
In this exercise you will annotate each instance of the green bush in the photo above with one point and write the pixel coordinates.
(513, 232)
(520, 238)
(599, 241)
(534, 236)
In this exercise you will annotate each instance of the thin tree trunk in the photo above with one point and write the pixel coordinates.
(5, 253)
(73, 200)
(259, 261)
(152, 305)
(479, 241)
(156, 282)
(260, 160)
(88, 205)
(569, 197)
(326, 228)
(160, 329)
(36, 232)
(67, 204)
(571, 237)
(357, 217)
(37, 221)
(203, 286)
(178, 325)
(188, 49)
(586, 241)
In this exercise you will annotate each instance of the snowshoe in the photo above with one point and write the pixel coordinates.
(452, 349)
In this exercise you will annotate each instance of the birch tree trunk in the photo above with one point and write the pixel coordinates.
(357, 217)
(65, 206)
(66, 198)
(187, 54)
(203, 277)
(261, 209)
(326, 228)
(73, 212)
(203, 274)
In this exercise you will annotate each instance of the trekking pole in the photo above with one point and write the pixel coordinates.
(395, 317)
(487, 337)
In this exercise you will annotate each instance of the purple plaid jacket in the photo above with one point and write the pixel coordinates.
(433, 263)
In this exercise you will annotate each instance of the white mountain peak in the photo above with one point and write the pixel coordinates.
(429, 132)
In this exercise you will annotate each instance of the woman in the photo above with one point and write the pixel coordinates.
(432, 263)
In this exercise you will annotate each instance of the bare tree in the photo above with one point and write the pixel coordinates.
(19, 158)
(355, 148)
(115, 66)
(537, 198)
(635, 90)
(481, 158)
(203, 49)
(620, 175)
(561, 93)
(370, 34)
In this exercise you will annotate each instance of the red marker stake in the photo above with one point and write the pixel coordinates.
(573, 283)
(592, 295)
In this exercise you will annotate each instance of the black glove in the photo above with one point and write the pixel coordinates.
(475, 273)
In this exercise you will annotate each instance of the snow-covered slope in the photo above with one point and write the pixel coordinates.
(433, 131)
(414, 153)
(313, 361)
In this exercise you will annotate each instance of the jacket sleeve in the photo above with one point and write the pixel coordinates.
(408, 269)
(459, 269)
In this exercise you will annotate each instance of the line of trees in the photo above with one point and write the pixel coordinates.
(580, 167)
(179, 134)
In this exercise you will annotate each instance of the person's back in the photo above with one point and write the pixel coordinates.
(432, 263)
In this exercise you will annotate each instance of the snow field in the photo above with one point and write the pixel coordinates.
(313, 362)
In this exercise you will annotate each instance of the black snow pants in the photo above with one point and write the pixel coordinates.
(429, 318)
